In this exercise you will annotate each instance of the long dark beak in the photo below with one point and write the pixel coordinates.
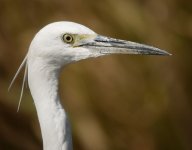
(108, 45)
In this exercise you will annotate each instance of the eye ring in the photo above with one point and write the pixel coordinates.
(67, 38)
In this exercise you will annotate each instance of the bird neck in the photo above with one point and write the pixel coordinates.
(43, 84)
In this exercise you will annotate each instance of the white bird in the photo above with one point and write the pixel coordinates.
(53, 47)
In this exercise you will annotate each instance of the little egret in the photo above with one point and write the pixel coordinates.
(53, 47)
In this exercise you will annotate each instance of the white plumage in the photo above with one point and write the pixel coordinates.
(53, 47)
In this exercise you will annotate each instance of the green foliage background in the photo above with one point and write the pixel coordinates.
(117, 102)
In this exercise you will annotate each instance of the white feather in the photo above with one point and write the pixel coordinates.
(24, 62)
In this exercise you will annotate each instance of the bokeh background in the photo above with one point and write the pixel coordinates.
(117, 102)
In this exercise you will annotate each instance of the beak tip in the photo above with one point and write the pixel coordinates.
(164, 53)
(167, 54)
(170, 54)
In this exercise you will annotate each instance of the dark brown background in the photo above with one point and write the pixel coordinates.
(117, 102)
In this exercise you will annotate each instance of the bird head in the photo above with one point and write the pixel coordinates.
(61, 43)
(66, 42)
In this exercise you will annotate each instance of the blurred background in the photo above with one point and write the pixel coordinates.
(116, 102)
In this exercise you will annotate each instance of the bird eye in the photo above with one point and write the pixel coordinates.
(67, 38)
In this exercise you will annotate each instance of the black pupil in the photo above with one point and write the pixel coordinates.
(68, 38)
